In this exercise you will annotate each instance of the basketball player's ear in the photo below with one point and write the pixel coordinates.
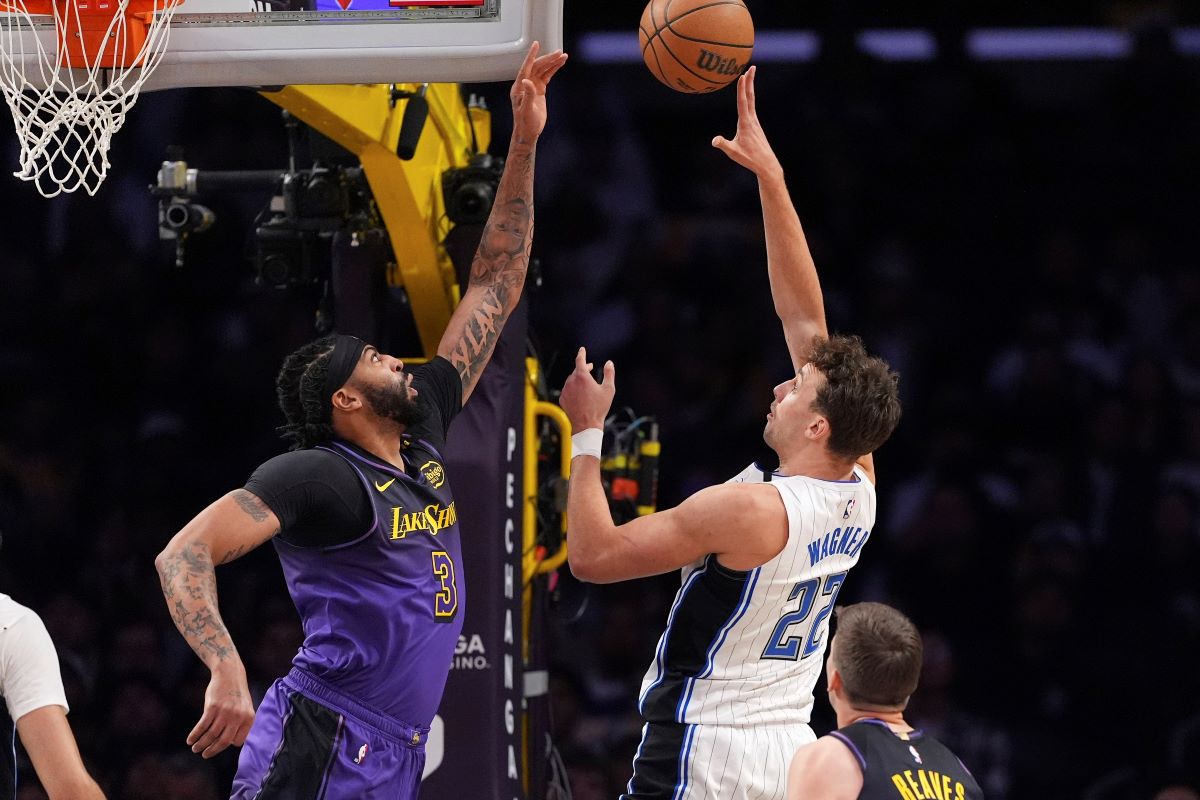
(345, 401)
(817, 429)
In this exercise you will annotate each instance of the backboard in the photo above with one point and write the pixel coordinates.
(245, 43)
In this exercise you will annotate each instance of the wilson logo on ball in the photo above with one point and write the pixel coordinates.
(711, 62)
(695, 46)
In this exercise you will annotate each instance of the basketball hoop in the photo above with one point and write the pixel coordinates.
(69, 98)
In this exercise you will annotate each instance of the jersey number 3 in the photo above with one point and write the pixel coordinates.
(445, 600)
(789, 646)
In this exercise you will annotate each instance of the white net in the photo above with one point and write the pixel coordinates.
(66, 116)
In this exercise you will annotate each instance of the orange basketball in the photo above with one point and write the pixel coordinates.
(696, 45)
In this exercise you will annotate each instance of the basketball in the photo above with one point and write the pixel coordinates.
(696, 46)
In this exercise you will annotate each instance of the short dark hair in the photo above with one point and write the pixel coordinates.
(879, 654)
(299, 387)
(860, 397)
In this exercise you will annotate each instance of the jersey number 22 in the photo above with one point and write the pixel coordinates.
(789, 646)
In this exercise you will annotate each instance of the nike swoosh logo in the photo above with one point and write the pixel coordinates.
(383, 486)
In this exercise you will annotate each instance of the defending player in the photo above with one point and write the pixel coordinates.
(365, 526)
(728, 697)
(874, 665)
(36, 704)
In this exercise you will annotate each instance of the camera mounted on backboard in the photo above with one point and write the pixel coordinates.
(178, 215)
(292, 237)
(470, 191)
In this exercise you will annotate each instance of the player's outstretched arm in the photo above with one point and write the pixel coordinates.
(732, 518)
(498, 271)
(824, 770)
(228, 529)
(795, 287)
(48, 740)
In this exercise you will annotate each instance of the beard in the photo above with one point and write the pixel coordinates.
(393, 405)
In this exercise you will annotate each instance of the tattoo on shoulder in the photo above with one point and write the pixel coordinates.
(255, 508)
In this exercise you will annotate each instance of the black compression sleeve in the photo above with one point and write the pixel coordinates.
(316, 495)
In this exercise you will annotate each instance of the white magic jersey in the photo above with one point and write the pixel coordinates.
(746, 648)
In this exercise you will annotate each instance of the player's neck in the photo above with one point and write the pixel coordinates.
(383, 442)
(813, 463)
(893, 719)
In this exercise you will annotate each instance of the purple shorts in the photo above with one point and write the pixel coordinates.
(310, 742)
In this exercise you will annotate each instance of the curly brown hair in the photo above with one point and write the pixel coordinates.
(860, 396)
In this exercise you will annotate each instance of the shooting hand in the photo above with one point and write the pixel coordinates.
(749, 147)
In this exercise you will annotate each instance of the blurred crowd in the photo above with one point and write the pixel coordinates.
(1018, 240)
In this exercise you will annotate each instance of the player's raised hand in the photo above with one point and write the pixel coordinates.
(529, 92)
(228, 712)
(749, 146)
(585, 401)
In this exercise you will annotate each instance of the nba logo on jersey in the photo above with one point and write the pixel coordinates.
(849, 508)
(362, 755)
(916, 756)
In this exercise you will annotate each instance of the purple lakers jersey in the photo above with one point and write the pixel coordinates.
(382, 613)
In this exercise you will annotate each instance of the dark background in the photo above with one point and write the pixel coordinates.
(1018, 239)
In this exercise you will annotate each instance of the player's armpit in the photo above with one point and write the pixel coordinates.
(824, 770)
(50, 744)
(741, 520)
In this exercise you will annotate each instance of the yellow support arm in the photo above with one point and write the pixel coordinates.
(364, 120)
(543, 409)
(532, 564)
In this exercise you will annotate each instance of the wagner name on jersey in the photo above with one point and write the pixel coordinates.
(746, 648)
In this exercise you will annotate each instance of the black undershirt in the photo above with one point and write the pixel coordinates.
(318, 497)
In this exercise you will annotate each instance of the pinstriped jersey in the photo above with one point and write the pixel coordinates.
(746, 648)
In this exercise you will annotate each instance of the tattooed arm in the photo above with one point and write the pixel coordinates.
(227, 529)
(498, 271)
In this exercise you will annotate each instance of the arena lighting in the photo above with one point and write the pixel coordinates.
(911, 45)
(981, 44)
(609, 47)
(1049, 44)
(1187, 41)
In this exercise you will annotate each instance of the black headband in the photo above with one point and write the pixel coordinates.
(346, 350)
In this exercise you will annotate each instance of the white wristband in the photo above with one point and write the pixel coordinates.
(587, 443)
